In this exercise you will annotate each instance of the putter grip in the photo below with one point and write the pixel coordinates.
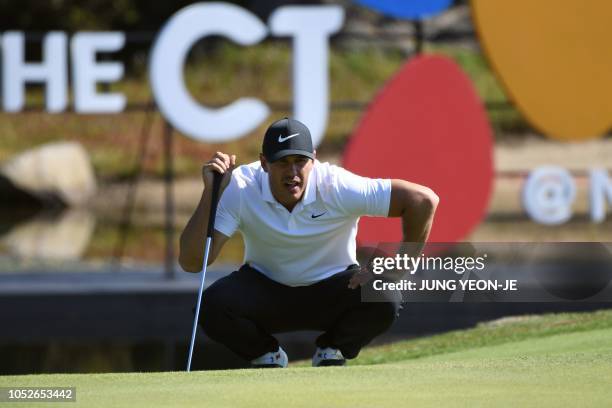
(217, 177)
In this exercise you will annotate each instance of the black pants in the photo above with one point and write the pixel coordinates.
(244, 309)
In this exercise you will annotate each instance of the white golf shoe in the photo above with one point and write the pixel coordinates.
(325, 357)
(273, 359)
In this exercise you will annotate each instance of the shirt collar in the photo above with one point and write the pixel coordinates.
(265, 188)
(310, 194)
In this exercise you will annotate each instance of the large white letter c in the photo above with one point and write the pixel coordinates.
(166, 72)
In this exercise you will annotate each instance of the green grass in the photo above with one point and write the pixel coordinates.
(566, 359)
(486, 334)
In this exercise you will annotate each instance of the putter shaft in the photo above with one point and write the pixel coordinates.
(209, 233)
(197, 311)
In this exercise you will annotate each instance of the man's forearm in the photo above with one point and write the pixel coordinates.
(416, 205)
(191, 255)
(417, 220)
(415, 231)
(416, 225)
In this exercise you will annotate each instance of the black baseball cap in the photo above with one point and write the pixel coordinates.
(286, 137)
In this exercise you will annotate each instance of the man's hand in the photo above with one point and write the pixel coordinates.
(360, 278)
(221, 163)
(191, 256)
(365, 257)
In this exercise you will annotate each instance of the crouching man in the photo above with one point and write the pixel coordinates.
(298, 218)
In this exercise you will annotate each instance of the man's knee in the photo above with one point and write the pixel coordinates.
(213, 297)
(213, 310)
(384, 314)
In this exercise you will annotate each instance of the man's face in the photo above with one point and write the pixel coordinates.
(288, 178)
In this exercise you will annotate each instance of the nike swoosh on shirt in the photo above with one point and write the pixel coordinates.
(282, 139)
(318, 215)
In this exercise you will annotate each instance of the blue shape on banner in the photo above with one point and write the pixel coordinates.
(407, 9)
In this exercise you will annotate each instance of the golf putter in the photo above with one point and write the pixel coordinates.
(209, 233)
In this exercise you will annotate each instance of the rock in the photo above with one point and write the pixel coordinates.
(52, 172)
(62, 237)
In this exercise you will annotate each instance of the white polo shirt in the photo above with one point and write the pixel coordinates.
(314, 241)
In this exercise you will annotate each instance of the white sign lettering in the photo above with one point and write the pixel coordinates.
(548, 195)
(52, 71)
(87, 72)
(310, 28)
(166, 72)
(601, 189)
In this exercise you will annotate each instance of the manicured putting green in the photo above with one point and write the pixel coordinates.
(557, 370)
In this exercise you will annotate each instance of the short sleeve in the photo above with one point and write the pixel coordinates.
(228, 210)
(359, 195)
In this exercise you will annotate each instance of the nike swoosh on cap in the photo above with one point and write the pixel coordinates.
(282, 139)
